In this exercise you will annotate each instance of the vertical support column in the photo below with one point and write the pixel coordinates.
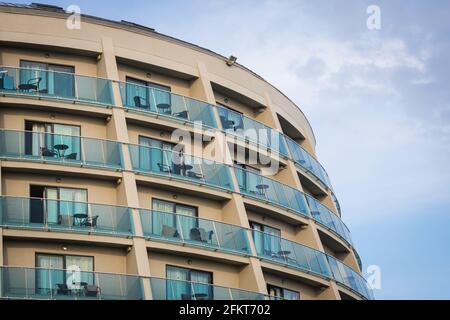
(137, 260)
(310, 235)
(251, 276)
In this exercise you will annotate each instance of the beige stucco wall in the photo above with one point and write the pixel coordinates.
(18, 184)
(223, 274)
(23, 253)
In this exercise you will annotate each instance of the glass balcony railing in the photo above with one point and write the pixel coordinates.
(247, 129)
(55, 85)
(60, 148)
(167, 104)
(167, 289)
(290, 254)
(308, 162)
(57, 284)
(350, 278)
(180, 166)
(328, 219)
(59, 215)
(195, 231)
(257, 186)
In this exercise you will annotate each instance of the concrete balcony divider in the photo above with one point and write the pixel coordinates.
(65, 216)
(195, 231)
(50, 85)
(59, 148)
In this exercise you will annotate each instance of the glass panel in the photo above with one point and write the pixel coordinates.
(75, 275)
(179, 289)
(45, 279)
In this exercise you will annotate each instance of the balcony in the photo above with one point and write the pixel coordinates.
(65, 216)
(291, 254)
(346, 276)
(167, 289)
(262, 188)
(57, 284)
(302, 158)
(179, 166)
(50, 85)
(166, 104)
(247, 129)
(328, 219)
(58, 148)
(194, 231)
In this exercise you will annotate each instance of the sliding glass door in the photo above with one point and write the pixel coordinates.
(53, 79)
(54, 271)
(63, 203)
(188, 284)
(185, 220)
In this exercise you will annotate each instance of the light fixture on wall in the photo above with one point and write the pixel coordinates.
(261, 109)
(108, 119)
(99, 57)
(52, 116)
(225, 100)
(58, 179)
(129, 248)
(149, 75)
(47, 55)
(161, 134)
(119, 181)
(231, 60)
(189, 262)
(175, 196)
(64, 248)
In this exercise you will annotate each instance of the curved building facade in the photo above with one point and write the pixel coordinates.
(138, 166)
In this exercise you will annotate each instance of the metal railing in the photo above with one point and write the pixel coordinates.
(59, 215)
(166, 104)
(67, 149)
(195, 231)
(59, 284)
(180, 166)
(47, 84)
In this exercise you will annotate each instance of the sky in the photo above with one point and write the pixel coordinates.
(378, 102)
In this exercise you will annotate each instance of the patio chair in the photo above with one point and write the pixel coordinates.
(91, 291)
(72, 156)
(62, 289)
(164, 168)
(140, 102)
(169, 232)
(182, 114)
(32, 84)
(46, 152)
(90, 221)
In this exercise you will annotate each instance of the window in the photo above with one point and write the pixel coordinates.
(53, 270)
(230, 119)
(267, 239)
(51, 79)
(188, 284)
(164, 218)
(248, 177)
(52, 140)
(278, 292)
(54, 205)
(156, 155)
(147, 95)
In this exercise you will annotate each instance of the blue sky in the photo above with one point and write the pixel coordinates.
(378, 101)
